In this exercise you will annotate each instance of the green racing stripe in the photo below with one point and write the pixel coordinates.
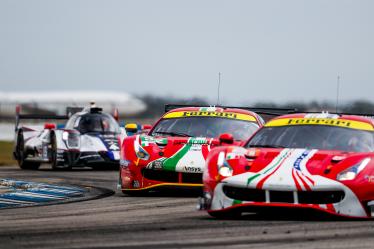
(171, 162)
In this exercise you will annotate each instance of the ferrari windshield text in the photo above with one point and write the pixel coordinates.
(205, 127)
(314, 137)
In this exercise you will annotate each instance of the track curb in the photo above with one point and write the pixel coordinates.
(20, 194)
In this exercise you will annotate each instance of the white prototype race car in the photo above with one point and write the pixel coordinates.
(89, 138)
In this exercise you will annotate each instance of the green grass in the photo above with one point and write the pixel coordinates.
(6, 150)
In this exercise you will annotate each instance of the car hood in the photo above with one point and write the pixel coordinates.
(293, 169)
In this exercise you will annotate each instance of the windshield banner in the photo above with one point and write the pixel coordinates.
(229, 115)
(321, 121)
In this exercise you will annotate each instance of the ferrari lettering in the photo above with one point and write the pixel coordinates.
(210, 114)
(213, 114)
(352, 124)
(323, 121)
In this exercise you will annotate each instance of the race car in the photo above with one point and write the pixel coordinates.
(310, 162)
(173, 153)
(89, 138)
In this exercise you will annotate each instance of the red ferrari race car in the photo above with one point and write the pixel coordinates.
(323, 162)
(173, 153)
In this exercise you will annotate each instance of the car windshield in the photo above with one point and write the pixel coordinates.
(205, 127)
(96, 122)
(314, 137)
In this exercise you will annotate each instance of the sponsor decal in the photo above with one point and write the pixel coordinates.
(214, 114)
(196, 147)
(135, 184)
(197, 141)
(321, 121)
(113, 146)
(192, 169)
(111, 143)
(124, 163)
(146, 140)
(369, 178)
(157, 164)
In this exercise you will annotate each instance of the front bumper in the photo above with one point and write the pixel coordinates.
(143, 179)
(340, 202)
(81, 159)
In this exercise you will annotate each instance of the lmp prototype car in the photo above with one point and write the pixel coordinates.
(173, 153)
(89, 138)
(322, 162)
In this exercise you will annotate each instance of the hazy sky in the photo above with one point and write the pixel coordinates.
(266, 50)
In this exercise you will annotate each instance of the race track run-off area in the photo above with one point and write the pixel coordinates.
(104, 219)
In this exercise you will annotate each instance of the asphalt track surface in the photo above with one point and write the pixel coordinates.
(160, 221)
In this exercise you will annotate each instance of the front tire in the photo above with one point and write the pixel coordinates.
(21, 155)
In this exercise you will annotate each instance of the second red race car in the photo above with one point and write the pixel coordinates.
(174, 151)
(322, 162)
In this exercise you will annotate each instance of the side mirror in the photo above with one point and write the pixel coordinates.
(147, 127)
(226, 138)
(133, 128)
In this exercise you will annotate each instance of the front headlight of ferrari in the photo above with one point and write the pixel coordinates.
(224, 169)
(352, 172)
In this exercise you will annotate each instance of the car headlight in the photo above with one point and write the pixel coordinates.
(224, 169)
(65, 135)
(352, 172)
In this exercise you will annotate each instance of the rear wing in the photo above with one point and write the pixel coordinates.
(69, 111)
(258, 110)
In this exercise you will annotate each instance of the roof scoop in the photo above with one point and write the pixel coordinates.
(336, 159)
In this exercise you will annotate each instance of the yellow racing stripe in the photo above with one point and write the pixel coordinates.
(230, 115)
(345, 123)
